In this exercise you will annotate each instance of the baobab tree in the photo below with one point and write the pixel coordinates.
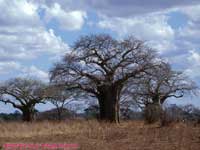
(23, 94)
(101, 66)
(160, 84)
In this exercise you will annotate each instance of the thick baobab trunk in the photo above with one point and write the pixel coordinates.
(27, 114)
(153, 112)
(109, 105)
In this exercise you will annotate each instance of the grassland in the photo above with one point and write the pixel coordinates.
(92, 135)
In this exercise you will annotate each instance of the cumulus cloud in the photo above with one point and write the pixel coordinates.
(151, 28)
(15, 13)
(68, 20)
(34, 72)
(22, 35)
(188, 62)
(146, 27)
(191, 11)
(8, 67)
(194, 57)
(193, 64)
(135, 7)
(191, 31)
(28, 43)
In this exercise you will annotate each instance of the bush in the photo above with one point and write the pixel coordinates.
(166, 119)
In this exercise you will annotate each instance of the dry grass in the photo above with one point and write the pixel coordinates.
(92, 135)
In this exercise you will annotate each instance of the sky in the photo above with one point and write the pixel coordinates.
(34, 34)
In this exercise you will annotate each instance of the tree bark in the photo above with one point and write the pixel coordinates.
(153, 112)
(109, 104)
(59, 114)
(27, 114)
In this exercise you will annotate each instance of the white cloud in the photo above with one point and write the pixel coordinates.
(187, 37)
(191, 11)
(193, 64)
(24, 37)
(194, 57)
(11, 67)
(154, 26)
(151, 28)
(68, 20)
(28, 43)
(190, 32)
(8, 67)
(14, 13)
(119, 8)
(146, 27)
(22, 34)
(34, 72)
(188, 62)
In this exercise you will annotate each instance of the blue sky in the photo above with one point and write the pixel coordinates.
(34, 34)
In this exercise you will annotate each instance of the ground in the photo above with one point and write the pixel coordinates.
(92, 135)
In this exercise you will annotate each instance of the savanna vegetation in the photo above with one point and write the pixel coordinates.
(130, 83)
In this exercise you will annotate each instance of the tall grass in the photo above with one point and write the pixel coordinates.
(92, 135)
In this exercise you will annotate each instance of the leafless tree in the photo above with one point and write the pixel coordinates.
(158, 85)
(60, 98)
(101, 66)
(23, 94)
(164, 83)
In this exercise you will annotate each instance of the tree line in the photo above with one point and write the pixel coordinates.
(116, 73)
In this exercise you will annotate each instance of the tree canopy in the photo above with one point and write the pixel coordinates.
(23, 94)
(100, 66)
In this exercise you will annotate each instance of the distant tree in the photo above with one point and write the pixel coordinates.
(191, 113)
(10, 117)
(160, 84)
(60, 98)
(128, 107)
(23, 94)
(101, 66)
(172, 113)
(92, 111)
(52, 114)
(187, 113)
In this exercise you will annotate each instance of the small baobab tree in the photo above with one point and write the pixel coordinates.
(101, 66)
(60, 98)
(160, 84)
(23, 94)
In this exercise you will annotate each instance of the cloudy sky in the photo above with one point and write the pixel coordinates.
(36, 33)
